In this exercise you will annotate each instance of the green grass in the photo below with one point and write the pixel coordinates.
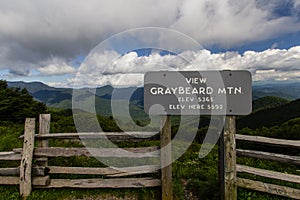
(12, 193)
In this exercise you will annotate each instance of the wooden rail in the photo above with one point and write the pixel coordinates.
(269, 174)
(14, 180)
(10, 155)
(108, 171)
(269, 156)
(269, 188)
(103, 183)
(142, 152)
(113, 136)
(15, 171)
(269, 141)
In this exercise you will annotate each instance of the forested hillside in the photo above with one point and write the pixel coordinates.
(268, 102)
(271, 116)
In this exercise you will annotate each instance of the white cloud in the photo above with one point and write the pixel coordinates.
(230, 23)
(129, 69)
(53, 69)
(32, 31)
(55, 66)
(57, 84)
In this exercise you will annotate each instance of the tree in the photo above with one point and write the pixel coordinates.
(16, 104)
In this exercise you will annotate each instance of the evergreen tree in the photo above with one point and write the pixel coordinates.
(16, 104)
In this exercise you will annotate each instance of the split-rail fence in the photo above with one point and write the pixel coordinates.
(34, 171)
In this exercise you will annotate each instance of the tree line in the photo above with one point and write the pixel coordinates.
(16, 104)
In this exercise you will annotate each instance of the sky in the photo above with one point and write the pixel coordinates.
(53, 41)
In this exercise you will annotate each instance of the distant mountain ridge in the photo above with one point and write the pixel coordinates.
(32, 87)
(271, 116)
(62, 97)
(267, 110)
(290, 91)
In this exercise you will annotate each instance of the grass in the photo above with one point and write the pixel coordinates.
(12, 193)
(199, 176)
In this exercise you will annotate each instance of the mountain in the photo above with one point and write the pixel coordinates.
(265, 107)
(267, 102)
(102, 96)
(271, 116)
(51, 96)
(54, 96)
(32, 87)
(290, 91)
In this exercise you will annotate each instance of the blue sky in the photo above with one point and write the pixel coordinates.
(48, 40)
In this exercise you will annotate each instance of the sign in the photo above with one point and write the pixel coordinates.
(198, 92)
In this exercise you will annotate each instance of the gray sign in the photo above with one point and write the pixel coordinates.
(198, 92)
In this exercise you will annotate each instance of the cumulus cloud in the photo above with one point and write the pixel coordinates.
(232, 22)
(55, 66)
(31, 31)
(129, 69)
(53, 69)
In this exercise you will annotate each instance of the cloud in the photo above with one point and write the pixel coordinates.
(230, 23)
(55, 66)
(53, 69)
(129, 69)
(19, 72)
(32, 32)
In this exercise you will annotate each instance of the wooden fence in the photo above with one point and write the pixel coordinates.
(28, 175)
(262, 186)
(39, 174)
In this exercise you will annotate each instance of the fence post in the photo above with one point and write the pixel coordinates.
(44, 128)
(221, 166)
(27, 157)
(166, 157)
(230, 189)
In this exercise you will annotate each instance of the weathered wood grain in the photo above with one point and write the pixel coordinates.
(14, 180)
(103, 183)
(10, 155)
(36, 171)
(269, 174)
(108, 171)
(44, 128)
(230, 189)
(269, 188)
(269, 141)
(269, 156)
(141, 152)
(166, 158)
(113, 136)
(27, 157)
(9, 180)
